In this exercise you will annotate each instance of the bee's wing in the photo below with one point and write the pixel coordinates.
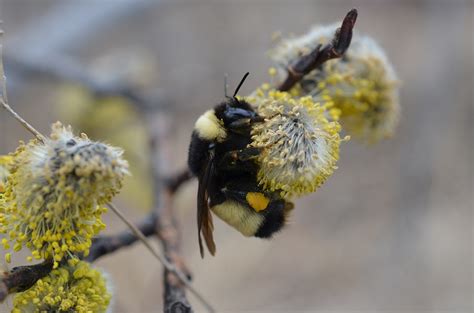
(204, 217)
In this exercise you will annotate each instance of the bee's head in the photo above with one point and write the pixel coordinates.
(233, 113)
(233, 110)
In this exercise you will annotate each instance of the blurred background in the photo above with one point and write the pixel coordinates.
(390, 231)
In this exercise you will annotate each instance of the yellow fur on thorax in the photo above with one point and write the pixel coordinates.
(238, 216)
(209, 127)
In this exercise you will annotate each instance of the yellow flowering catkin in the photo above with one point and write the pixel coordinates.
(73, 287)
(300, 146)
(363, 84)
(54, 195)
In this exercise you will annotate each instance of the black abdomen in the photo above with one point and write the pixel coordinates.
(274, 219)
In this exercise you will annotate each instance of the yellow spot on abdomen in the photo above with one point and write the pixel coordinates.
(257, 201)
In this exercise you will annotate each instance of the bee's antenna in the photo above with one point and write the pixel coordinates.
(225, 85)
(240, 84)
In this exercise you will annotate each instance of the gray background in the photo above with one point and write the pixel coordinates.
(390, 231)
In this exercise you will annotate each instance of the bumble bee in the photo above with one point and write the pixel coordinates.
(221, 159)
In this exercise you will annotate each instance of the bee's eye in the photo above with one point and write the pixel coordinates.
(70, 143)
(234, 114)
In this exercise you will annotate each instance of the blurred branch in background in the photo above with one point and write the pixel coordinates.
(71, 25)
(166, 225)
(64, 69)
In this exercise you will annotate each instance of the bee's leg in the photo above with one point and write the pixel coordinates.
(247, 153)
(256, 200)
(275, 209)
(240, 159)
(246, 191)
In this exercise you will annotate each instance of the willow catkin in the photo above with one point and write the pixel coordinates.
(363, 84)
(54, 195)
(300, 146)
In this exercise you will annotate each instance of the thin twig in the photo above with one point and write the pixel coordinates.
(335, 49)
(141, 237)
(6, 106)
(169, 266)
(24, 123)
(107, 244)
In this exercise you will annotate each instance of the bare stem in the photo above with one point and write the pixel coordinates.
(23, 277)
(6, 106)
(107, 244)
(141, 237)
(335, 49)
